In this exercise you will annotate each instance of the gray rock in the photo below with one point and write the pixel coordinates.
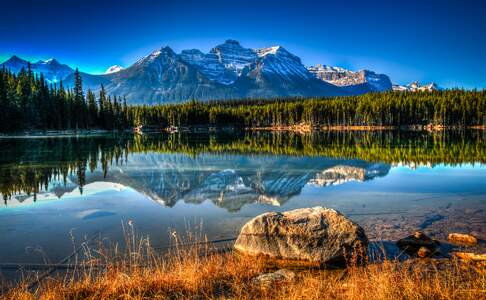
(315, 235)
(268, 280)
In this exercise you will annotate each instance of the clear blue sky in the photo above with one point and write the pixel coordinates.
(442, 41)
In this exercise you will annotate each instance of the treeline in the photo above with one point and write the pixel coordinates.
(449, 108)
(27, 102)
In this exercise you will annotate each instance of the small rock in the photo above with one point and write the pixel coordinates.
(462, 239)
(424, 252)
(270, 279)
(468, 256)
(316, 235)
(413, 243)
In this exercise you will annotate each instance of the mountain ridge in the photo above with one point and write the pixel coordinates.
(227, 71)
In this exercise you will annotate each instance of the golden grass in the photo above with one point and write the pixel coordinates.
(194, 273)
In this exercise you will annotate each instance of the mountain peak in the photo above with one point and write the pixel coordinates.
(275, 50)
(113, 69)
(232, 42)
(15, 59)
(167, 49)
(51, 61)
(163, 53)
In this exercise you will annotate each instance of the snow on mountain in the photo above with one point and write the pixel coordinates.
(277, 60)
(113, 69)
(227, 71)
(362, 81)
(225, 63)
(210, 65)
(416, 87)
(233, 56)
(52, 70)
(328, 73)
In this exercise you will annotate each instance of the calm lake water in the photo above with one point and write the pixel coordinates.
(392, 183)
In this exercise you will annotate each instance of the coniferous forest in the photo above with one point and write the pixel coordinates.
(27, 102)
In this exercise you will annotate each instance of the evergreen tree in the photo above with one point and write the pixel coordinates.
(92, 109)
(78, 99)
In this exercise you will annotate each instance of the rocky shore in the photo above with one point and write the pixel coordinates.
(310, 253)
(322, 237)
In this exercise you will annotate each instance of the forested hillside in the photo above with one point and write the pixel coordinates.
(28, 103)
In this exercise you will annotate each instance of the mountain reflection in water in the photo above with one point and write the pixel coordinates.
(230, 171)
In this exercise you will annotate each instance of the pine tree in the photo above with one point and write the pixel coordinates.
(102, 107)
(92, 109)
(78, 99)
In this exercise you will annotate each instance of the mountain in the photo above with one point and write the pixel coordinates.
(227, 71)
(52, 70)
(113, 69)
(360, 82)
(416, 86)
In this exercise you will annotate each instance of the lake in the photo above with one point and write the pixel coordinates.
(58, 191)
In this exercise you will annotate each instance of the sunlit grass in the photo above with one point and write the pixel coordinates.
(199, 272)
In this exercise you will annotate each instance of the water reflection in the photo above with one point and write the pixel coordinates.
(230, 171)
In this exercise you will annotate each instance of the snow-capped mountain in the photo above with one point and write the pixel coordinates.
(113, 69)
(416, 86)
(52, 70)
(227, 71)
(360, 82)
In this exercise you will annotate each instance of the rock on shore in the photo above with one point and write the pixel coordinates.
(316, 235)
(419, 244)
(462, 239)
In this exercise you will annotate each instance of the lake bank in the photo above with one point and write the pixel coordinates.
(310, 128)
(141, 273)
(303, 128)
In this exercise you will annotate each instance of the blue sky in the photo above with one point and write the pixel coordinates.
(442, 41)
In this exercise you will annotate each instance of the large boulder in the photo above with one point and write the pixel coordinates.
(319, 236)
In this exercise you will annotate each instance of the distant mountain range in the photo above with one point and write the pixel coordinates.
(228, 71)
(416, 86)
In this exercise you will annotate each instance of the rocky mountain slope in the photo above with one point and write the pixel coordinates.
(359, 82)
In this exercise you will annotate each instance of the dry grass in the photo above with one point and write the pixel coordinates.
(194, 273)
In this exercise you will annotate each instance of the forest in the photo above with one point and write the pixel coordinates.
(27, 102)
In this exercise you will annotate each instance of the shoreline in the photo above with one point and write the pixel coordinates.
(212, 129)
(323, 128)
(62, 133)
(203, 272)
